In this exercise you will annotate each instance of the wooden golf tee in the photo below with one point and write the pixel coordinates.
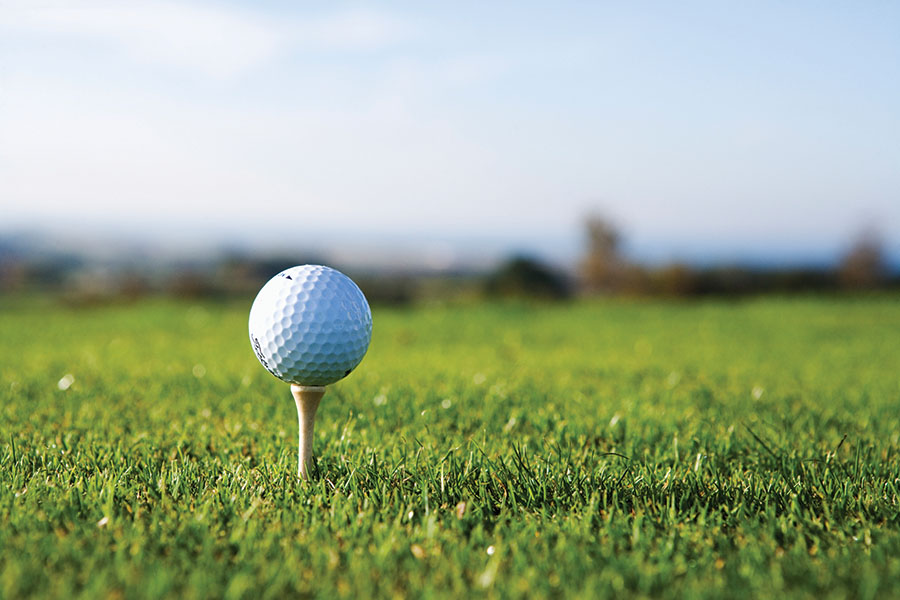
(307, 398)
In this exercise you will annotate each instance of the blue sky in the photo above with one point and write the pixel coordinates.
(751, 129)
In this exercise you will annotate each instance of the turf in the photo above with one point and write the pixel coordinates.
(610, 449)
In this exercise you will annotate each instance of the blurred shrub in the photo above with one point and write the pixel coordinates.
(191, 285)
(676, 279)
(387, 289)
(525, 277)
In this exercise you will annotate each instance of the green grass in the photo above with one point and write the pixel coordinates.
(747, 449)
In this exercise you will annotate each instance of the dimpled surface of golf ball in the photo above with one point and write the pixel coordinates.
(310, 325)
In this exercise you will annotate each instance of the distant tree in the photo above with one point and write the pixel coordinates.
(864, 266)
(526, 277)
(603, 269)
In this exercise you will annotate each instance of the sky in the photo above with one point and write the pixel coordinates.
(702, 129)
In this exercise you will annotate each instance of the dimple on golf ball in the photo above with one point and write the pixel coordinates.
(310, 325)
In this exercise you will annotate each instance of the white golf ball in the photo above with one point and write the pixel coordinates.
(310, 325)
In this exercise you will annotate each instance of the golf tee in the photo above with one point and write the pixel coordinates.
(307, 399)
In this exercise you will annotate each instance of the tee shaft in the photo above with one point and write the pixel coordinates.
(307, 399)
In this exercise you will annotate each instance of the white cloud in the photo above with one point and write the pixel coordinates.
(217, 42)
(473, 68)
(107, 154)
(353, 29)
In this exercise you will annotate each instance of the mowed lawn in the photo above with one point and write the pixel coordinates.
(604, 449)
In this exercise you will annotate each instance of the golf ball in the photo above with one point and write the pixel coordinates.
(310, 325)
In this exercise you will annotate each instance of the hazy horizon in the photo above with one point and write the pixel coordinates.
(424, 249)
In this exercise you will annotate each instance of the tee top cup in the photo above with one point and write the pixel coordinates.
(310, 326)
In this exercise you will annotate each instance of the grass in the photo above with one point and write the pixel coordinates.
(741, 449)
